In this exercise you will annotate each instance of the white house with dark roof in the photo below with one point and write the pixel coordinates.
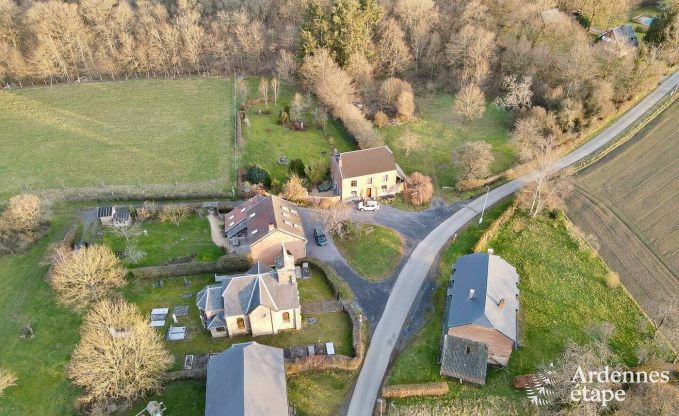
(247, 380)
(482, 308)
(261, 224)
(262, 301)
(367, 173)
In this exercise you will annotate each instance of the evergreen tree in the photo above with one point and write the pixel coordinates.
(315, 31)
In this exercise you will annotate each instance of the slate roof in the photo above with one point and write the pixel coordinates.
(217, 321)
(247, 380)
(122, 214)
(624, 34)
(492, 279)
(104, 211)
(261, 212)
(365, 162)
(464, 359)
(210, 298)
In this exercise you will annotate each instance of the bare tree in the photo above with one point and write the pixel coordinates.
(418, 189)
(335, 217)
(418, 17)
(286, 66)
(473, 160)
(119, 355)
(263, 90)
(294, 190)
(128, 232)
(242, 89)
(470, 52)
(21, 223)
(393, 53)
(408, 142)
(405, 105)
(7, 379)
(392, 88)
(321, 119)
(470, 103)
(518, 95)
(275, 89)
(360, 69)
(85, 275)
(297, 107)
(173, 213)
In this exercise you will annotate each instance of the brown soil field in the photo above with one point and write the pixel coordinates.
(629, 200)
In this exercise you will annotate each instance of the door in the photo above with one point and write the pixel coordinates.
(369, 192)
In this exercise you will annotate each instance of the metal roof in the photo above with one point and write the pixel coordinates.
(247, 380)
(494, 302)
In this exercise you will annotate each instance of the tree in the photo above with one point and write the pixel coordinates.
(380, 119)
(470, 103)
(317, 170)
(297, 167)
(256, 174)
(664, 30)
(119, 355)
(286, 66)
(393, 53)
(275, 90)
(263, 90)
(242, 89)
(297, 107)
(473, 160)
(174, 213)
(418, 17)
(24, 213)
(128, 232)
(418, 189)
(519, 94)
(294, 190)
(80, 277)
(353, 26)
(335, 218)
(321, 119)
(7, 379)
(470, 52)
(408, 142)
(392, 88)
(315, 31)
(360, 69)
(405, 105)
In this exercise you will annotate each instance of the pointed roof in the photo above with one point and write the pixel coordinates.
(365, 162)
(484, 291)
(263, 214)
(247, 380)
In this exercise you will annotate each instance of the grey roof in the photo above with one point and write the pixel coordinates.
(464, 359)
(247, 380)
(210, 298)
(492, 279)
(122, 214)
(104, 211)
(624, 34)
(217, 321)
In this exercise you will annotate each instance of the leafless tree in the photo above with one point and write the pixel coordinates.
(473, 160)
(174, 213)
(418, 17)
(418, 189)
(393, 53)
(119, 355)
(275, 89)
(85, 275)
(392, 88)
(518, 93)
(297, 107)
(286, 66)
(470, 103)
(335, 217)
(470, 52)
(263, 90)
(405, 105)
(408, 142)
(128, 232)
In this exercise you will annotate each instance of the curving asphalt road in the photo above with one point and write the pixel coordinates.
(413, 273)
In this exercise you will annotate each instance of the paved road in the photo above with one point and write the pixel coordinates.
(413, 273)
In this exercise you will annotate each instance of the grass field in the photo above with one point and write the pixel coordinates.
(166, 241)
(441, 132)
(122, 133)
(38, 362)
(319, 393)
(266, 140)
(373, 252)
(628, 200)
(562, 293)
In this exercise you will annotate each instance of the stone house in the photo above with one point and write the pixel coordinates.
(260, 302)
(114, 216)
(481, 316)
(247, 380)
(261, 224)
(367, 173)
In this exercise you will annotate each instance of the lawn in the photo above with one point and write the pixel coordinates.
(38, 362)
(440, 133)
(562, 293)
(266, 140)
(319, 393)
(335, 327)
(315, 289)
(373, 251)
(166, 242)
(122, 133)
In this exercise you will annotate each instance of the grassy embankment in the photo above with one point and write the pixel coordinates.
(373, 251)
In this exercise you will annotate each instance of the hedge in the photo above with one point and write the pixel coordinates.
(225, 264)
(415, 390)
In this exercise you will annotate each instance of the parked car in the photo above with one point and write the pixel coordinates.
(319, 236)
(369, 205)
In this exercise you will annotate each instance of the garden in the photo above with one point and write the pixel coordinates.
(371, 250)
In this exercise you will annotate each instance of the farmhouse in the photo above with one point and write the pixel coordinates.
(114, 216)
(368, 173)
(623, 35)
(247, 380)
(259, 302)
(261, 224)
(481, 316)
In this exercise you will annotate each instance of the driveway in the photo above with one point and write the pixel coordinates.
(414, 272)
(217, 231)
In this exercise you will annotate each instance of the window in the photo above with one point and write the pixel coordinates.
(354, 194)
(252, 215)
(231, 217)
(384, 188)
(385, 178)
(286, 316)
(254, 232)
(287, 222)
(354, 184)
(369, 181)
(468, 349)
(240, 322)
(294, 211)
(231, 224)
(220, 329)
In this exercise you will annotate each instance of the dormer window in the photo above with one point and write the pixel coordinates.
(254, 232)
(252, 215)
(231, 224)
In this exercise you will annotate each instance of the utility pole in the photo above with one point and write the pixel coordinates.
(485, 200)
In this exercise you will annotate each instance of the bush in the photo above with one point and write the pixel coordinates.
(381, 119)
(317, 170)
(21, 224)
(293, 190)
(225, 264)
(7, 379)
(405, 105)
(296, 167)
(415, 390)
(419, 189)
(612, 279)
(257, 174)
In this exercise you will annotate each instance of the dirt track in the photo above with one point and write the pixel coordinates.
(629, 201)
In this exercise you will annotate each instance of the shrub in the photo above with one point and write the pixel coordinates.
(415, 390)
(612, 279)
(317, 171)
(381, 119)
(293, 190)
(405, 105)
(296, 167)
(392, 87)
(7, 379)
(419, 189)
(256, 174)
(470, 103)
(21, 224)
(174, 213)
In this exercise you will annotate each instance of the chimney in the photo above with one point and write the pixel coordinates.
(271, 226)
(501, 304)
(339, 161)
(471, 294)
(490, 251)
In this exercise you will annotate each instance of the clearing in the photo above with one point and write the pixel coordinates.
(116, 133)
(441, 132)
(628, 201)
(372, 251)
(562, 293)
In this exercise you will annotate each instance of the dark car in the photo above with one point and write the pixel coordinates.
(319, 236)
